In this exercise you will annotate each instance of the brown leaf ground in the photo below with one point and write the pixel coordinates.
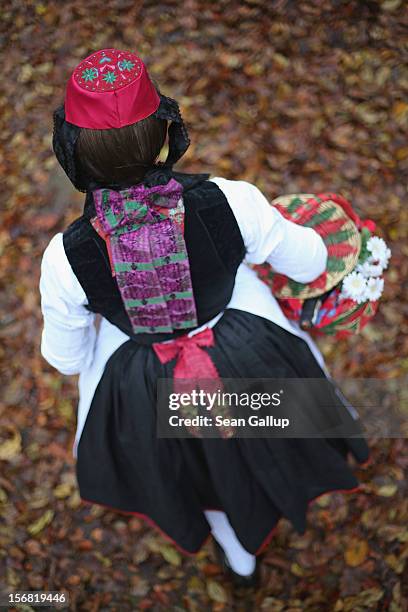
(293, 96)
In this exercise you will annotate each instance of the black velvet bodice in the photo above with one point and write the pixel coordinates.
(214, 245)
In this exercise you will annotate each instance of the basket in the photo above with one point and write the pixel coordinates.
(330, 305)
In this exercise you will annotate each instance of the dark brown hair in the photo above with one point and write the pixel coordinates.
(121, 155)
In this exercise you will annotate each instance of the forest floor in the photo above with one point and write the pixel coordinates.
(293, 97)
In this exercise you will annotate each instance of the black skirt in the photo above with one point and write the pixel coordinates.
(123, 465)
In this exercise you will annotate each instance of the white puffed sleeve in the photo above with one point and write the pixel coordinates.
(296, 251)
(68, 336)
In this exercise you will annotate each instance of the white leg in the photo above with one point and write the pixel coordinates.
(241, 561)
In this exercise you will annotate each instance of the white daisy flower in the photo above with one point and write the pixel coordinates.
(377, 247)
(371, 267)
(383, 260)
(374, 289)
(354, 287)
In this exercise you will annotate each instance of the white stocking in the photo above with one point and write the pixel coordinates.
(241, 561)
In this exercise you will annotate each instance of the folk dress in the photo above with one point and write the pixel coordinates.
(123, 465)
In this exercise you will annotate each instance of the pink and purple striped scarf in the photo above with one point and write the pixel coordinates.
(144, 231)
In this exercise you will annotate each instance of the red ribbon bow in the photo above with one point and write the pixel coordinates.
(193, 363)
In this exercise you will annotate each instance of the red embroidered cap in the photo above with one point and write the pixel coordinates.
(110, 89)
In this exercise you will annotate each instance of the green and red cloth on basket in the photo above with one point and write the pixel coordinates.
(346, 295)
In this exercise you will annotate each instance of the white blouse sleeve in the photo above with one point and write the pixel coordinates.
(68, 336)
(296, 251)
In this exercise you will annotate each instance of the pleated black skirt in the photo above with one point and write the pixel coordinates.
(123, 465)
